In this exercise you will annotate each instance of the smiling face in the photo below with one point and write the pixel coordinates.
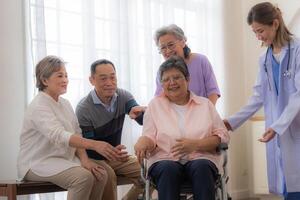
(57, 83)
(265, 33)
(169, 45)
(105, 81)
(175, 85)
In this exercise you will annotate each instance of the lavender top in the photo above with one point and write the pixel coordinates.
(202, 78)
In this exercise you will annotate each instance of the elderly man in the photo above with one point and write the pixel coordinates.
(101, 117)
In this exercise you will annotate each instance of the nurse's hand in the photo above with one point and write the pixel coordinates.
(268, 135)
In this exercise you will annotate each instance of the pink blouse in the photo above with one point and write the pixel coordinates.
(161, 125)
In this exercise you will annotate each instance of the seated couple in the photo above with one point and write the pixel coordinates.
(180, 131)
(52, 148)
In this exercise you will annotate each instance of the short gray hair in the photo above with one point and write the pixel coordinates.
(45, 68)
(172, 29)
(174, 62)
(175, 30)
(100, 62)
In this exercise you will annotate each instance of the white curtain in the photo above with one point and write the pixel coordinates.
(81, 31)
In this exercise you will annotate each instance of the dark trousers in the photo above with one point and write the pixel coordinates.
(292, 196)
(169, 175)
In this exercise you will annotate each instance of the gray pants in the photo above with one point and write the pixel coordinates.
(80, 183)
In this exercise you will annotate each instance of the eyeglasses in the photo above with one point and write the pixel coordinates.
(175, 78)
(171, 46)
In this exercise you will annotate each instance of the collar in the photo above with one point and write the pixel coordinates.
(97, 100)
(291, 44)
(42, 93)
(193, 98)
(284, 50)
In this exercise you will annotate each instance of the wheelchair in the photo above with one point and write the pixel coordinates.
(221, 192)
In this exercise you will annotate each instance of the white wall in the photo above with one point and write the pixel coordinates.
(234, 95)
(12, 84)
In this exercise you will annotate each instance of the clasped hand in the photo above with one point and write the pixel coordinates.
(111, 153)
(183, 147)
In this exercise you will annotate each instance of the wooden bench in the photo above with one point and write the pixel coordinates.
(11, 189)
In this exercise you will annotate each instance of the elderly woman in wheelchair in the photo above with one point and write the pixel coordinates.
(180, 134)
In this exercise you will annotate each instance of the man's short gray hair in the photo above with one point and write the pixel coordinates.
(45, 68)
(172, 29)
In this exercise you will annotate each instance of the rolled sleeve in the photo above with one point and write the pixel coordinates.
(219, 128)
(66, 138)
(222, 134)
(149, 128)
(211, 84)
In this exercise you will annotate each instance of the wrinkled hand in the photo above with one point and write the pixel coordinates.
(97, 170)
(108, 151)
(183, 147)
(141, 151)
(268, 135)
(136, 111)
(122, 155)
(227, 125)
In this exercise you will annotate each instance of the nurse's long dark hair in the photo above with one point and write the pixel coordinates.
(265, 13)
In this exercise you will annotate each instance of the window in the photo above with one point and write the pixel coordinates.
(82, 31)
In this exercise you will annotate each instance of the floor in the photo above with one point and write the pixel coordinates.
(264, 197)
(123, 189)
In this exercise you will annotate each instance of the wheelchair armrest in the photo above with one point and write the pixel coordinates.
(222, 147)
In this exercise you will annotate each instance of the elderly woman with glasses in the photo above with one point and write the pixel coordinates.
(180, 134)
(171, 40)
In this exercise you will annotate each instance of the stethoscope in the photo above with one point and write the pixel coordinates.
(287, 73)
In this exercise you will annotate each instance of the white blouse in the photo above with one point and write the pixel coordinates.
(44, 141)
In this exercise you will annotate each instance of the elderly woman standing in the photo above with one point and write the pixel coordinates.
(51, 147)
(170, 41)
(181, 132)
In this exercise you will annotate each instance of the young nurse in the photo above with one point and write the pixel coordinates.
(278, 91)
